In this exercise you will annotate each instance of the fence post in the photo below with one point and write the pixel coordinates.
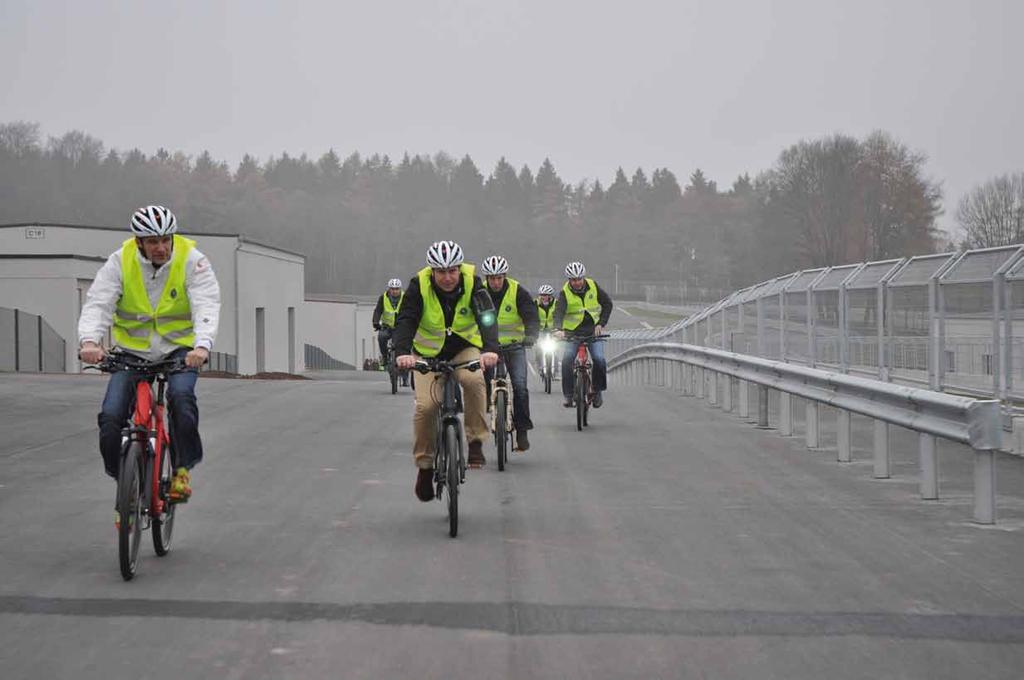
(726, 393)
(811, 431)
(713, 388)
(762, 407)
(929, 468)
(984, 487)
(785, 414)
(843, 432)
(883, 464)
(744, 394)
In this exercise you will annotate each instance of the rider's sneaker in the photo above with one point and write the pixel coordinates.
(568, 402)
(476, 459)
(181, 486)
(522, 440)
(598, 400)
(425, 484)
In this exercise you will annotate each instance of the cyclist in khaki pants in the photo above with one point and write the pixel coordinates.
(437, 320)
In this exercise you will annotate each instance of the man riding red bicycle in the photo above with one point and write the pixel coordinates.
(582, 309)
(159, 296)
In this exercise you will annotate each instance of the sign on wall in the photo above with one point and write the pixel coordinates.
(35, 232)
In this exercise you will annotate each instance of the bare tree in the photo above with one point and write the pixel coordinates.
(993, 213)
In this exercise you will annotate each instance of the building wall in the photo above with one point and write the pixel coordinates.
(331, 326)
(274, 281)
(49, 288)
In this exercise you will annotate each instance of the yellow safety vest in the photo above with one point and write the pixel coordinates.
(135, 320)
(510, 325)
(388, 316)
(576, 307)
(547, 316)
(431, 333)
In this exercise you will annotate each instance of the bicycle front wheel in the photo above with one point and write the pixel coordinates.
(163, 523)
(501, 427)
(581, 400)
(451, 444)
(129, 509)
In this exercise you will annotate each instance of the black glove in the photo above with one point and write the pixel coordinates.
(376, 326)
(529, 342)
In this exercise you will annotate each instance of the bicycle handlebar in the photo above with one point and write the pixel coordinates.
(425, 366)
(587, 338)
(124, 361)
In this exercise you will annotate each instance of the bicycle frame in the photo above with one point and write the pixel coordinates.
(501, 382)
(148, 426)
(582, 367)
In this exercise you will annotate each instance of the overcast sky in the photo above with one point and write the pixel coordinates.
(719, 85)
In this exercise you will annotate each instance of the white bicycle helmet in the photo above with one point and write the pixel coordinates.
(546, 290)
(494, 265)
(153, 220)
(395, 283)
(575, 270)
(444, 254)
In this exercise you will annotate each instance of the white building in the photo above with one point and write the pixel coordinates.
(46, 269)
(339, 330)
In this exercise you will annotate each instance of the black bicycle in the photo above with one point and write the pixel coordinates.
(395, 374)
(583, 390)
(145, 472)
(449, 461)
(393, 371)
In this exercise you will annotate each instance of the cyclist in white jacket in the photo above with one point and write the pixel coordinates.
(159, 296)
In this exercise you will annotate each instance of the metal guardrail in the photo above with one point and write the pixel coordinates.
(707, 373)
(953, 322)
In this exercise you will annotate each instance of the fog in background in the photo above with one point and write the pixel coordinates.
(814, 103)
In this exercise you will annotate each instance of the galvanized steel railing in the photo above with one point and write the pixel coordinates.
(948, 322)
(708, 373)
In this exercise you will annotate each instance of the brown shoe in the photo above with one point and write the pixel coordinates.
(425, 485)
(476, 455)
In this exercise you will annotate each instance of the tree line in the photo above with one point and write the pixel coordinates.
(361, 220)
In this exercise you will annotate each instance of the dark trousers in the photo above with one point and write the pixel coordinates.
(382, 343)
(515, 363)
(600, 367)
(182, 407)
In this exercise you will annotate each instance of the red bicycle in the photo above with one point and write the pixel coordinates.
(146, 469)
(583, 392)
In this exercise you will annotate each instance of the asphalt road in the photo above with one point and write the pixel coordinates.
(669, 540)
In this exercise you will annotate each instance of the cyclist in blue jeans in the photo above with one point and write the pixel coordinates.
(582, 309)
(159, 296)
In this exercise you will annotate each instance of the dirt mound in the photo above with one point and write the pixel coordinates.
(266, 375)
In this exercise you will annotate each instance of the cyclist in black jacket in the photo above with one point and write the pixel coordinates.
(517, 322)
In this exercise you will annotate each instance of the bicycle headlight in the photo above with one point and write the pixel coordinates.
(548, 344)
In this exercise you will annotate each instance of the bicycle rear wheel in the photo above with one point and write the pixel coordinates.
(451, 443)
(586, 398)
(581, 400)
(129, 509)
(163, 524)
(501, 427)
(393, 372)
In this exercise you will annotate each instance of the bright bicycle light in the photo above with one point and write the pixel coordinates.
(487, 318)
(548, 344)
